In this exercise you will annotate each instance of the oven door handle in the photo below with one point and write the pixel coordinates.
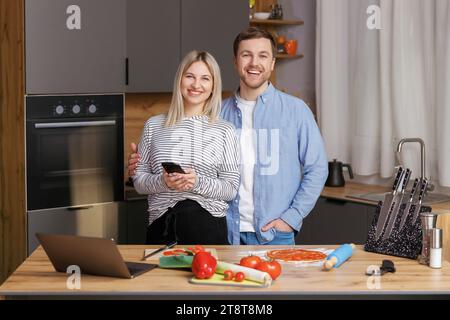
(74, 124)
(79, 208)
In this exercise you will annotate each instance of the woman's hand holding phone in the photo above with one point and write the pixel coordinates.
(189, 179)
(180, 181)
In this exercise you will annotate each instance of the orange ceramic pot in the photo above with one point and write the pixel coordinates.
(290, 47)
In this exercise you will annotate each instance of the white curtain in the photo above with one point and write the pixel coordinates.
(375, 87)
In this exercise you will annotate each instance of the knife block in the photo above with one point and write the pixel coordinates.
(406, 243)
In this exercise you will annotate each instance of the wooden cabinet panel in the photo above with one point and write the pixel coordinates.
(12, 140)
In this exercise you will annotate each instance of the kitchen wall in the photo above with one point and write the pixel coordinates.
(297, 76)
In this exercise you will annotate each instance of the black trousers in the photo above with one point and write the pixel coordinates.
(189, 224)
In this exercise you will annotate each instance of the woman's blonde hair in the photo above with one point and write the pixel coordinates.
(213, 103)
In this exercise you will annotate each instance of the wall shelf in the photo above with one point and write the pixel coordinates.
(288, 56)
(283, 22)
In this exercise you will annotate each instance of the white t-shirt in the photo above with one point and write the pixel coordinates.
(248, 160)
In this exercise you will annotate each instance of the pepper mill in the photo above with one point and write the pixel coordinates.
(428, 220)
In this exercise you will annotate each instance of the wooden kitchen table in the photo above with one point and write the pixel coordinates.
(36, 278)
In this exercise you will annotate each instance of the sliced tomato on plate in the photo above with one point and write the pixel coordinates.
(176, 252)
(196, 249)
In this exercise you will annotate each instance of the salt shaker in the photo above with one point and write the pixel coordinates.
(436, 248)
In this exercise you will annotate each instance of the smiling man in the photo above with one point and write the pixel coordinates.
(284, 165)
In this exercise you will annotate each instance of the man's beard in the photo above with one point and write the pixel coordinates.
(256, 85)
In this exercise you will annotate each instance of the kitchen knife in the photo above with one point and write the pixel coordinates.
(396, 203)
(170, 245)
(422, 191)
(409, 203)
(386, 206)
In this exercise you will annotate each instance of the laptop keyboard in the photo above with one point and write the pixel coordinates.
(134, 267)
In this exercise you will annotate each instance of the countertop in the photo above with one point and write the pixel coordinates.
(340, 193)
(352, 188)
(36, 278)
(345, 194)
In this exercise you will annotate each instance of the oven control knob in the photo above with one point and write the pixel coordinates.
(92, 108)
(59, 110)
(76, 109)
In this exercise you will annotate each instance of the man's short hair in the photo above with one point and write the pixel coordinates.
(253, 33)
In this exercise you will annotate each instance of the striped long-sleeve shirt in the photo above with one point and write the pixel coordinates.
(209, 148)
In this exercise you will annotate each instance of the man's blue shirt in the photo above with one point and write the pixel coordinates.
(291, 164)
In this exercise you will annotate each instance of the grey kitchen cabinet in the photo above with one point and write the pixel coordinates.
(336, 222)
(161, 33)
(137, 221)
(75, 46)
(84, 46)
(212, 25)
(107, 220)
(153, 44)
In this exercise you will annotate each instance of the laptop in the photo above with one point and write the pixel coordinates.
(95, 256)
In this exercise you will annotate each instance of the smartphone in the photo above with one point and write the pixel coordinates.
(171, 167)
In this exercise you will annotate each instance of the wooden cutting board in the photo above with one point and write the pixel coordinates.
(161, 254)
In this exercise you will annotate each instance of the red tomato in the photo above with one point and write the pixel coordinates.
(250, 261)
(239, 277)
(273, 268)
(204, 265)
(228, 275)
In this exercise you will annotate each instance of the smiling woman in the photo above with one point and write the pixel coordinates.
(190, 207)
(197, 73)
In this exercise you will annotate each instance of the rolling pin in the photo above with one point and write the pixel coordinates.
(338, 256)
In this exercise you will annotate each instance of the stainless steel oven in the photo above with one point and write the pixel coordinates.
(74, 161)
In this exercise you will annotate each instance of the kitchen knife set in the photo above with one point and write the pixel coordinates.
(393, 201)
(396, 230)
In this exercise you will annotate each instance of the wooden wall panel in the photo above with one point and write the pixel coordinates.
(138, 108)
(264, 5)
(12, 145)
